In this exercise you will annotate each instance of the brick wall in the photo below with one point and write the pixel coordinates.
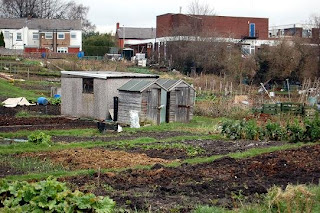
(223, 26)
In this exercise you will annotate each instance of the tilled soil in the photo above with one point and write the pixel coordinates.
(6, 170)
(163, 189)
(210, 147)
(95, 158)
(46, 123)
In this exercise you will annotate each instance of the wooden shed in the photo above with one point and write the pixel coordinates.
(144, 96)
(180, 97)
(90, 93)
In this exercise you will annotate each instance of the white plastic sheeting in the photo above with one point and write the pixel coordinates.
(13, 102)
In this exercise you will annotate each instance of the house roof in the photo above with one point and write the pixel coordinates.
(137, 85)
(136, 33)
(106, 74)
(42, 24)
(170, 84)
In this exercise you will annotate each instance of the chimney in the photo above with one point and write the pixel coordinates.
(118, 25)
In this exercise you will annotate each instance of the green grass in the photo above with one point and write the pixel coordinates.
(58, 132)
(199, 125)
(29, 147)
(9, 90)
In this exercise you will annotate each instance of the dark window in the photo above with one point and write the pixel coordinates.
(87, 85)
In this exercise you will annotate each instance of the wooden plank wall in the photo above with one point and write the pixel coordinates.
(128, 101)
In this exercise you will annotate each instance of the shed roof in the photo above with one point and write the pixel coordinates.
(170, 84)
(137, 85)
(106, 74)
(41, 24)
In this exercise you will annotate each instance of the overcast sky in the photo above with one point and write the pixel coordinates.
(142, 13)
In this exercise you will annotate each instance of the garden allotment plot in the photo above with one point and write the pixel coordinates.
(171, 167)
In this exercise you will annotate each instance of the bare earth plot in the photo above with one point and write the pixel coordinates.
(164, 189)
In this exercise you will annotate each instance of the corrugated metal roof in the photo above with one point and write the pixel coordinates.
(106, 74)
(136, 33)
(170, 84)
(167, 83)
(135, 85)
(41, 24)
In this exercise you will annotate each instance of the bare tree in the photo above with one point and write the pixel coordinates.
(47, 9)
(315, 21)
(200, 8)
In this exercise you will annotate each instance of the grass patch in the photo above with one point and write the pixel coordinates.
(199, 125)
(9, 90)
(30, 147)
(57, 132)
(190, 150)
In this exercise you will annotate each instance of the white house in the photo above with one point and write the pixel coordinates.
(34, 35)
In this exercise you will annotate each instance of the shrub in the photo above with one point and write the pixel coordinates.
(313, 129)
(295, 132)
(49, 196)
(251, 130)
(39, 138)
(274, 131)
(233, 129)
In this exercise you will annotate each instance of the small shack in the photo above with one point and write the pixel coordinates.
(145, 97)
(180, 97)
(90, 93)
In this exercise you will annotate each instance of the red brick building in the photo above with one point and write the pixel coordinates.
(221, 26)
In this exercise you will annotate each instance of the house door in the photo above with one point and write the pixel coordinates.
(252, 30)
(183, 110)
(153, 112)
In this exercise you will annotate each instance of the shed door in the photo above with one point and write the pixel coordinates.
(183, 97)
(153, 112)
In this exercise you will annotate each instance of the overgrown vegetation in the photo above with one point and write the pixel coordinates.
(49, 196)
(294, 131)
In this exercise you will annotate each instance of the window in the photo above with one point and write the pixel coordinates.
(87, 85)
(60, 35)
(35, 36)
(48, 36)
(73, 35)
(62, 49)
(19, 37)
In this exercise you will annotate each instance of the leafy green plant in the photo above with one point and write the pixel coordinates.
(39, 138)
(295, 132)
(233, 129)
(55, 101)
(274, 131)
(313, 129)
(251, 130)
(49, 196)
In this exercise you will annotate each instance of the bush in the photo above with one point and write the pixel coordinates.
(274, 131)
(49, 196)
(295, 132)
(39, 138)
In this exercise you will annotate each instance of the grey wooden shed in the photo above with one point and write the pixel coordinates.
(145, 97)
(90, 93)
(180, 97)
